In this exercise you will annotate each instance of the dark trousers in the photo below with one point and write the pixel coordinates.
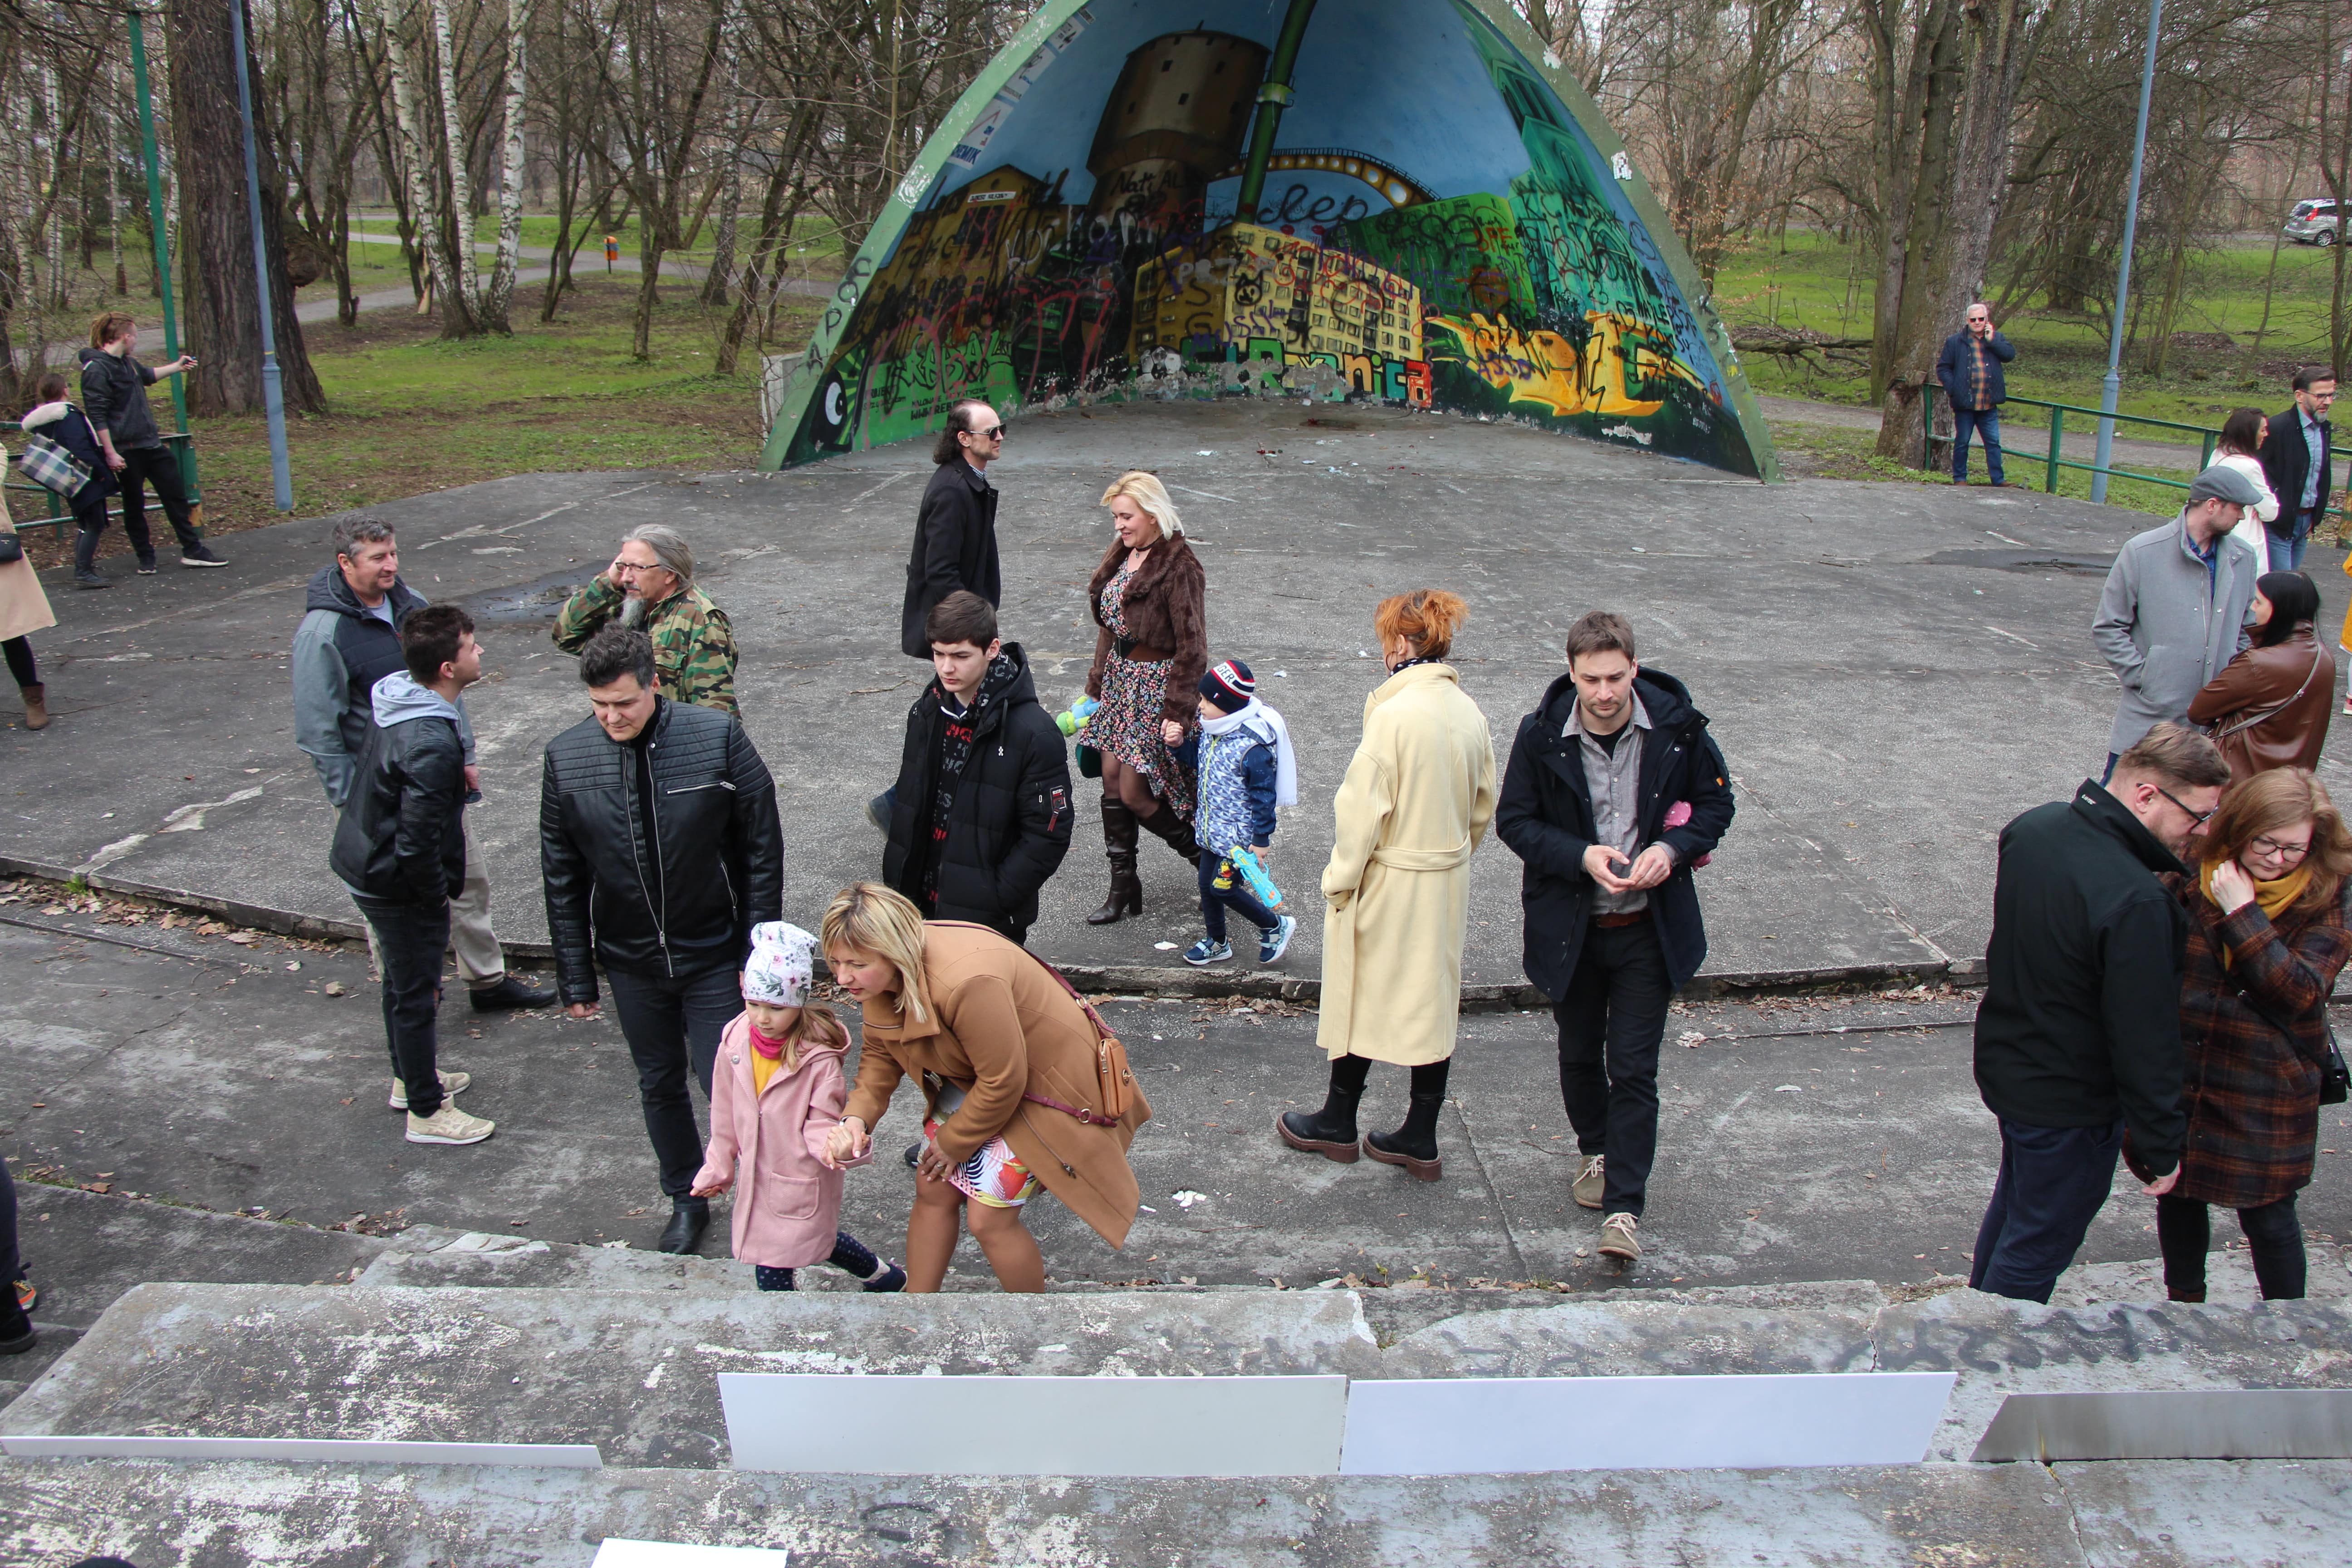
(89, 523)
(144, 466)
(1610, 1022)
(2184, 1229)
(672, 1024)
(1216, 901)
(410, 940)
(2052, 1182)
(18, 651)
(1986, 423)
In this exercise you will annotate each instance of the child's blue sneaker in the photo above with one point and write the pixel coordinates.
(891, 1278)
(1207, 952)
(1273, 944)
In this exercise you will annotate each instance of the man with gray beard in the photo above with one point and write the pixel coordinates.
(650, 588)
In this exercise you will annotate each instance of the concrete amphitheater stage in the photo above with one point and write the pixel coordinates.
(1892, 670)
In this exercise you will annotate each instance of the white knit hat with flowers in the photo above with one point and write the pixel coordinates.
(784, 959)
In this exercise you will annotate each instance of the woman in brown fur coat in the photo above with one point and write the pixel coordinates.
(1150, 647)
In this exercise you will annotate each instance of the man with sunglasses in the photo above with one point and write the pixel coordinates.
(955, 539)
(2078, 1037)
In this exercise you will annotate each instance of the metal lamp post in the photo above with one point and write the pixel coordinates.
(273, 395)
(2110, 388)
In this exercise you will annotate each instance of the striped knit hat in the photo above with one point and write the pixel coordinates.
(1229, 684)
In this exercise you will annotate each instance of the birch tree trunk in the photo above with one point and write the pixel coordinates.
(424, 196)
(453, 148)
(501, 294)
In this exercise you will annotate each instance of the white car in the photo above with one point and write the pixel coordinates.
(2312, 223)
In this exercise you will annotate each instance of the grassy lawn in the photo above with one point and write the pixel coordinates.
(408, 413)
(1818, 284)
(1827, 452)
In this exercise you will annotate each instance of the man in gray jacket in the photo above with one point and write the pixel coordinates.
(2174, 609)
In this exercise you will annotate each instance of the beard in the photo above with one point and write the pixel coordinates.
(633, 612)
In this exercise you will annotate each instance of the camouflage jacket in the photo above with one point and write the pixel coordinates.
(694, 646)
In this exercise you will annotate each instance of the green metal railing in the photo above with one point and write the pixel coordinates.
(2055, 458)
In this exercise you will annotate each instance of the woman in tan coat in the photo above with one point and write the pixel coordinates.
(1005, 1054)
(1416, 801)
(24, 609)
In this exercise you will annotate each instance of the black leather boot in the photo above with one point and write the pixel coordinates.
(1172, 830)
(1415, 1144)
(1126, 897)
(1330, 1131)
(688, 1218)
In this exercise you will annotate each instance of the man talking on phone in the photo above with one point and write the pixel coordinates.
(1614, 793)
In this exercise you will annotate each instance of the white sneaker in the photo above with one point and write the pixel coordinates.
(448, 1125)
(1617, 1239)
(1592, 1181)
(453, 1084)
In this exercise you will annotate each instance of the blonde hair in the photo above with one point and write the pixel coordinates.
(1426, 618)
(867, 917)
(1146, 492)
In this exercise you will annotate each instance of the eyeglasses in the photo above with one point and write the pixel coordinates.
(2270, 849)
(2199, 817)
(632, 567)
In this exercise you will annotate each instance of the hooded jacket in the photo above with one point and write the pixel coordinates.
(955, 547)
(2081, 1019)
(114, 390)
(401, 837)
(69, 428)
(1545, 815)
(340, 651)
(1010, 825)
(768, 1145)
(716, 844)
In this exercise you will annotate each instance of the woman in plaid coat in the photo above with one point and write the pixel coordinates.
(2266, 937)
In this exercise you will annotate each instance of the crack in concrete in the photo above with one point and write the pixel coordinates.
(1502, 1214)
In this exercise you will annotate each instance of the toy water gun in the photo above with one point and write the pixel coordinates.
(1075, 720)
(1260, 886)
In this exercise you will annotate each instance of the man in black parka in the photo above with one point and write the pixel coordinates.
(982, 812)
(955, 540)
(1613, 793)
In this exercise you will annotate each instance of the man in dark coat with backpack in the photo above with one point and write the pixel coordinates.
(980, 816)
(58, 421)
(1613, 793)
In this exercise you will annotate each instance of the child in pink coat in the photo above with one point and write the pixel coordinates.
(776, 1092)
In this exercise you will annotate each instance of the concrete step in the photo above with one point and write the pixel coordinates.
(634, 1372)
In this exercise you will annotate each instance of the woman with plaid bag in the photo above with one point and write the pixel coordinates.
(2266, 937)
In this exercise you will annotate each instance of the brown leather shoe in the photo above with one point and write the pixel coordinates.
(37, 706)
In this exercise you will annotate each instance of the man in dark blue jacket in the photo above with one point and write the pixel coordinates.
(1970, 370)
(1614, 791)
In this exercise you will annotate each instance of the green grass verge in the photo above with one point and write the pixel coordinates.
(1829, 452)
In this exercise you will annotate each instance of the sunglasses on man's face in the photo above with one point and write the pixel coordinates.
(993, 433)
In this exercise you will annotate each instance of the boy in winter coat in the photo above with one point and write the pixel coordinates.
(776, 1095)
(1240, 754)
(57, 418)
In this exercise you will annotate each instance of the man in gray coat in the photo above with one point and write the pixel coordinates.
(2174, 609)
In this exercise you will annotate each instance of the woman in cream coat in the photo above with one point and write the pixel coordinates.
(1416, 801)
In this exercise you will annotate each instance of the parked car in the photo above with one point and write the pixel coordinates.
(2312, 223)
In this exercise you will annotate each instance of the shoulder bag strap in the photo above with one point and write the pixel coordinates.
(2277, 708)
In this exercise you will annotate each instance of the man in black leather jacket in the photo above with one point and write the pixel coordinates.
(661, 849)
(400, 847)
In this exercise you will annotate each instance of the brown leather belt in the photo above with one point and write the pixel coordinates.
(1613, 922)
(1128, 647)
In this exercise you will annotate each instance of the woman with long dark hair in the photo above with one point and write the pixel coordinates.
(2242, 439)
(2266, 940)
(2270, 705)
(1151, 648)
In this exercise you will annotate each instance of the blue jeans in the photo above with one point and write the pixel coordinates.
(1985, 422)
(673, 1025)
(2286, 550)
(2052, 1183)
(411, 939)
(1216, 901)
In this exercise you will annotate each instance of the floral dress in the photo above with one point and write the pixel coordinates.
(1134, 693)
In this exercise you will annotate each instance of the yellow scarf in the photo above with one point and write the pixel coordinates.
(2274, 896)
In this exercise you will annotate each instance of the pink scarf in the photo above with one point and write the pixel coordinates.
(771, 1049)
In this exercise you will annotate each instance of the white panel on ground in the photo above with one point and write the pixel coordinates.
(324, 1450)
(1035, 1426)
(1479, 1425)
(2172, 1424)
(619, 1553)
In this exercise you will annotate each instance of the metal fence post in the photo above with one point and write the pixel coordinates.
(155, 224)
(2057, 439)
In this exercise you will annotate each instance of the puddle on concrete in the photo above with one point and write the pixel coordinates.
(2024, 560)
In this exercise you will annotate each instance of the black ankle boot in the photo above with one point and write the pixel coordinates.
(1330, 1131)
(1415, 1144)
